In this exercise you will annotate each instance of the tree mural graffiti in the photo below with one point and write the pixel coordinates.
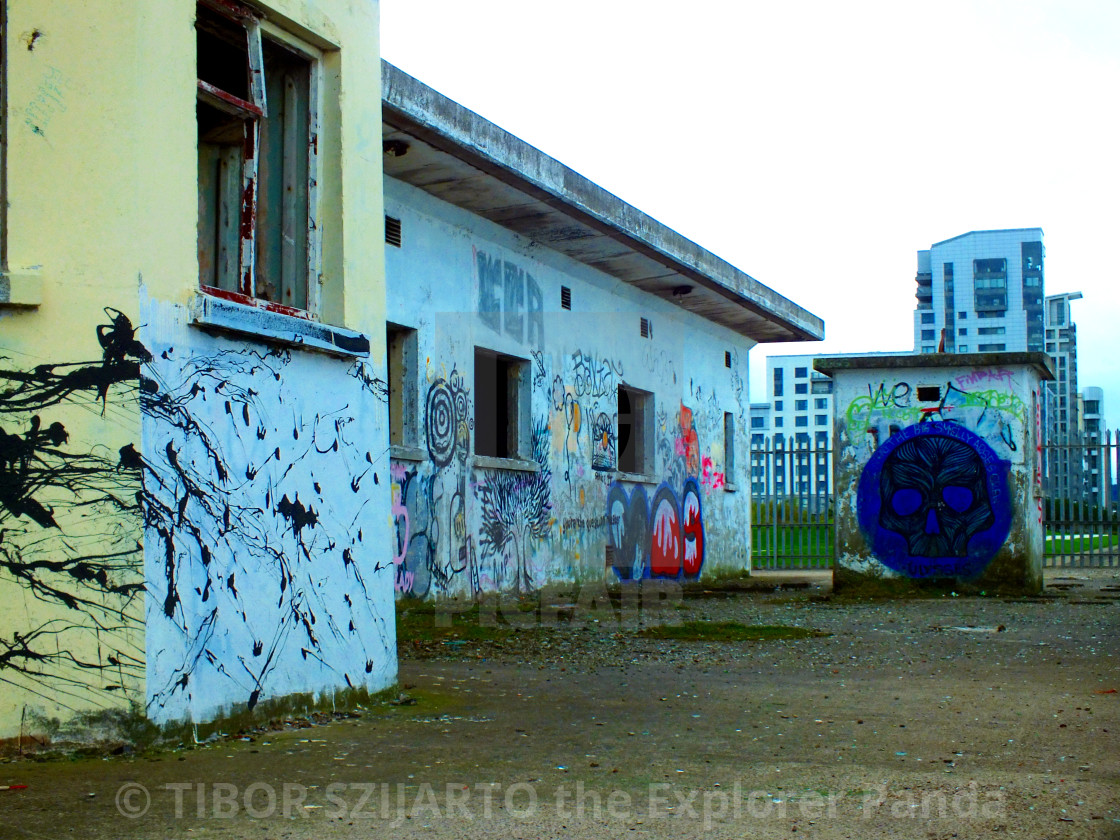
(659, 539)
(516, 509)
(934, 501)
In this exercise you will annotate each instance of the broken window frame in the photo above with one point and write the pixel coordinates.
(242, 268)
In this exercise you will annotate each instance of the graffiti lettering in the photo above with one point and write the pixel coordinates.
(510, 299)
(662, 539)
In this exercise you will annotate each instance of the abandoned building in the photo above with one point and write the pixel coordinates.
(234, 420)
(567, 376)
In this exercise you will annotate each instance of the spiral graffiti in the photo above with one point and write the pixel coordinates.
(441, 423)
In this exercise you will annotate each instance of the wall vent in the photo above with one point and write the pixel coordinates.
(565, 297)
(727, 358)
(392, 231)
(647, 328)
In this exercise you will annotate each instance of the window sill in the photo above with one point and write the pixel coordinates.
(24, 289)
(637, 478)
(401, 452)
(488, 462)
(214, 313)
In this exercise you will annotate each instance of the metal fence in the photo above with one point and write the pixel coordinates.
(792, 506)
(792, 503)
(1079, 507)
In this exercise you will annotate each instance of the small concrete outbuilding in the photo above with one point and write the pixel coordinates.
(938, 470)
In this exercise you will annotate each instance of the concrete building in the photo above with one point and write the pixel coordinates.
(1098, 475)
(191, 522)
(567, 376)
(1060, 414)
(939, 470)
(981, 292)
(221, 457)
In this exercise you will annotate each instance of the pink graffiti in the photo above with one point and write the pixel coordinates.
(1038, 455)
(709, 477)
(989, 375)
(404, 582)
(399, 511)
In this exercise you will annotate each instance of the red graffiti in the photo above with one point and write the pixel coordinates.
(689, 443)
(693, 531)
(665, 542)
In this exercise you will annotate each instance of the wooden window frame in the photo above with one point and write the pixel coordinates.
(252, 111)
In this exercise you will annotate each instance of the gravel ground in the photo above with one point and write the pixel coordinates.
(942, 717)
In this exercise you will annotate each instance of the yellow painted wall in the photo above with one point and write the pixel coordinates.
(102, 172)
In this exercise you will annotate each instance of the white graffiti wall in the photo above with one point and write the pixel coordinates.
(570, 510)
(266, 486)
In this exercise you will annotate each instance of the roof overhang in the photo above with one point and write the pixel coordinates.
(440, 147)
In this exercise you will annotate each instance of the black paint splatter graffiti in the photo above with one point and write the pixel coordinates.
(226, 494)
(68, 525)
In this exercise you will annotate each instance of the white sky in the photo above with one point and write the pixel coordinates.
(817, 145)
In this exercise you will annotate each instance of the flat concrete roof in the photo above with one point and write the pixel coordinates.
(452, 153)
(977, 232)
(829, 365)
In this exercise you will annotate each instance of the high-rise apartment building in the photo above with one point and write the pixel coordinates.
(1060, 409)
(981, 291)
(797, 420)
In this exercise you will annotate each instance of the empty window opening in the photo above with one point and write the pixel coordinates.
(402, 378)
(500, 390)
(635, 409)
(929, 393)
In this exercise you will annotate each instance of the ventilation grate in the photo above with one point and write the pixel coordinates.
(647, 328)
(565, 297)
(392, 231)
(727, 358)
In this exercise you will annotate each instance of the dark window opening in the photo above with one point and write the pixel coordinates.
(498, 386)
(633, 411)
(929, 393)
(402, 385)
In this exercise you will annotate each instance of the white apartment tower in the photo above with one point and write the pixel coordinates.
(980, 292)
(797, 417)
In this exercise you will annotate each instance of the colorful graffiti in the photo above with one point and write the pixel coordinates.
(603, 443)
(887, 410)
(659, 539)
(934, 501)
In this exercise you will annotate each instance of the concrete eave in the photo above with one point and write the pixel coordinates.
(452, 153)
(829, 365)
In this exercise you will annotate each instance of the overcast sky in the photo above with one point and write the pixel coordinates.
(817, 145)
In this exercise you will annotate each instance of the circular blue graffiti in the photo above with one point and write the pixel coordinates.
(934, 501)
